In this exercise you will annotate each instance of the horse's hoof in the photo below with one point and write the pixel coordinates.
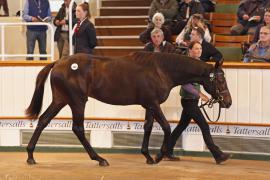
(103, 163)
(158, 158)
(150, 161)
(31, 161)
(224, 157)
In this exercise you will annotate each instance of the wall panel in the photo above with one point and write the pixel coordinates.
(249, 89)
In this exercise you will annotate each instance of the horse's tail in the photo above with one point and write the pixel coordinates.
(35, 106)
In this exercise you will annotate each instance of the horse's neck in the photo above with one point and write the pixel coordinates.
(187, 72)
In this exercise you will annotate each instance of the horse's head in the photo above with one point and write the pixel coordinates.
(216, 85)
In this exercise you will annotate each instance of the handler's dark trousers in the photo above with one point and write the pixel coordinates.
(192, 111)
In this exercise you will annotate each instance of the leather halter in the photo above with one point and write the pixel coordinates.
(219, 98)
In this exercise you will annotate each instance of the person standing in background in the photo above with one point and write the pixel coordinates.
(85, 39)
(5, 7)
(36, 11)
(61, 21)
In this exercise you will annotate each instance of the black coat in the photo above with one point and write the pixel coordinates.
(85, 39)
(209, 52)
(60, 16)
(251, 8)
(195, 8)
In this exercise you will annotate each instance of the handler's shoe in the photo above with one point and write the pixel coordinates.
(171, 157)
(224, 157)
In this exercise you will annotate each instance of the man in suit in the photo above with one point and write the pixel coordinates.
(209, 52)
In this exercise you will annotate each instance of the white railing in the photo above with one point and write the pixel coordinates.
(3, 55)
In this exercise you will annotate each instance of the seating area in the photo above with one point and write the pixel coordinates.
(121, 21)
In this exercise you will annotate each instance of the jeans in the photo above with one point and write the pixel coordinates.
(41, 37)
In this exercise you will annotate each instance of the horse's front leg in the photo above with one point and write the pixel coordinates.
(160, 118)
(148, 125)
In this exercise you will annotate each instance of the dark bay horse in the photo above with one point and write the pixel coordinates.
(141, 78)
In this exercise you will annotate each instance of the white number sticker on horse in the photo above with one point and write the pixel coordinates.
(74, 66)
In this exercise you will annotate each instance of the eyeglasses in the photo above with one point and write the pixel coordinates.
(264, 33)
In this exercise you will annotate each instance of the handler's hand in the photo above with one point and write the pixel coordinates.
(203, 97)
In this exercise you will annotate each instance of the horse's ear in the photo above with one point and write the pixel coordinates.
(218, 64)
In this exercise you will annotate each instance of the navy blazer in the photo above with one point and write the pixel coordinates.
(85, 40)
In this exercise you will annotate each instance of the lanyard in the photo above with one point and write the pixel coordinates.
(37, 2)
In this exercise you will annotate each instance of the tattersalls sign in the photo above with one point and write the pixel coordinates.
(133, 126)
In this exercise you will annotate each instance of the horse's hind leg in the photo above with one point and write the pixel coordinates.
(43, 121)
(148, 125)
(78, 129)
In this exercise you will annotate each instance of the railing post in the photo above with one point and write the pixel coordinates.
(70, 27)
(2, 42)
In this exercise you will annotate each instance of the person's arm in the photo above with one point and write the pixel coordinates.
(191, 89)
(207, 35)
(92, 38)
(214, 53)
(145, 36)
(241, 11)
(57, 18)
(148, 47)
(248, 54)
(180, 37)
(167, 33)
(49, 14)
(257, 34)
(25, 13)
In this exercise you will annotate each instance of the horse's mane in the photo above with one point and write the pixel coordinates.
(169, 61)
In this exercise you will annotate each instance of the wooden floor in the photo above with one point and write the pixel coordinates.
(77, 166)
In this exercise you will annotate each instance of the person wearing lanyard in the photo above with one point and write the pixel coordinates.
(36, 11)
(190, 95)
(61, 21)
(85, 39)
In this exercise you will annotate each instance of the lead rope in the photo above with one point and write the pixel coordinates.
(210, 104)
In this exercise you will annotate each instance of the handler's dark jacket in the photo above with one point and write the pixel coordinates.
(209, 52)
(85, 39)
(60, 16)
(164, 47)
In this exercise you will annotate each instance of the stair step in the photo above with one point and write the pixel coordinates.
(123, 11)
(124, 3)
(117, 21)
(119, 30)
(119, 41)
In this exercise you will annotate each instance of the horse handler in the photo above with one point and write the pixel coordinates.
(190, 95)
